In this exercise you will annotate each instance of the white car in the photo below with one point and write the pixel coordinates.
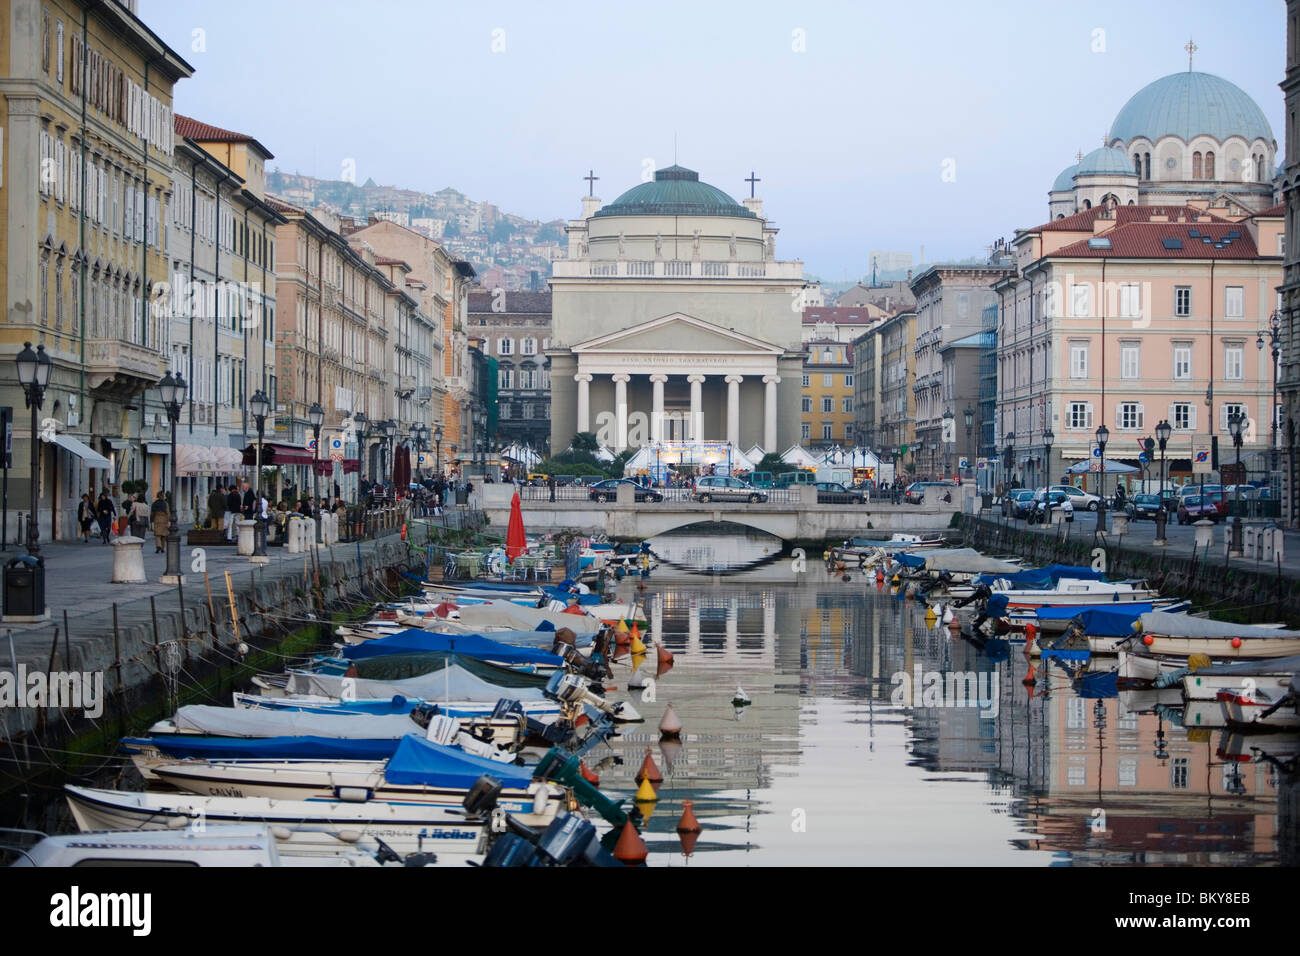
(1078, 497)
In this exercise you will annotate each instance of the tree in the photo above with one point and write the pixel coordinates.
(585, 441)
(772, 462)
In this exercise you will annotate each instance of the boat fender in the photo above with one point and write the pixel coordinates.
(353, 794)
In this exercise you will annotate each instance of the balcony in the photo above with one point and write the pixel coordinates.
(121, 367)
(675, 269)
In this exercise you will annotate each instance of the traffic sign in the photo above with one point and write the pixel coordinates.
(336, 449)
(1142, 457)
(963, 462)
(1202, 461)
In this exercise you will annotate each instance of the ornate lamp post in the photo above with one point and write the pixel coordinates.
(316, 417)
(1274, 332)
(1048, 437)
(1009, 459)
(969, 415)
(172, 390)
(1103, 436)
(34, 369)
(1163, 431)
(1235, 422)
(359, 425)
(260, 407)
(948, 434)
(437, 449)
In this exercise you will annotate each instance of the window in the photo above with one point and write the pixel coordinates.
(506, 378)
(1182, 415)
(1128, 772)
(1081, 300)
(1182, 362)
(1234, 360)
(827, 405)
(1196, 165)
(847, 406)
(1079, 415)
(527, 379)
(528, 346)
(1178, 773)
(805, 431)
(807, 404)
(805, 379)
(1130, 415)
(1234, 302)
(1209, 165)
(1130, 300)
(505, 347)
(848, 380)
(1226, 413)
(1078, 361)
(1129, 366)
(826, 431)
(828, 380)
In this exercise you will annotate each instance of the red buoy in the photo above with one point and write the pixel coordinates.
(649, 771)
(630, 848)
(688, 823)
(588, 774)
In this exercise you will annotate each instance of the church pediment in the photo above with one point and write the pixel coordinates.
(677, 333)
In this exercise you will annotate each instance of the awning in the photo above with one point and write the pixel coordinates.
(158, 448)
(91, 459)
(117, 444)
(274, 454)
(196, 460)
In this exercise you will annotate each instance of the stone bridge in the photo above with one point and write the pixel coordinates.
(799, 518)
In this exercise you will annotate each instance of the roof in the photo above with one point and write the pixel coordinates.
(1272, 212)
(1064, 181)
(1191, 104)
(1166, 240)
(1083, 220)
(675, 191)
(535, 303)
(840, 315)
(985, 339)
(1105, 161)
(206, 133)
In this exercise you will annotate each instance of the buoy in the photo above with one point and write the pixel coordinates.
(622, 626)
(646, 808)
(688, 842)
(630, 848)
(637, 647)
(1236, 642)
(1030, 680)
(948, 616)
(930, 616)
(1196, 661)
(403, 531)
(636, 681)
(880, 576)
(847, 578)
(1031, 632)
(588, 774)
(665, 663)
(688, 823)
(636, 632)
(646, 792)
(670, 749)
(1148, 640)
(648, 770)
(665, 656)
(741, 699)
(670, 727)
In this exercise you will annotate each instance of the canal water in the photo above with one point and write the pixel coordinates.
(874, 738)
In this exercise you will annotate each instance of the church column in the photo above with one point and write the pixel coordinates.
(697, 414)
(733, 408)
(657, 410)
(584, 401)
(769, 413)
(620, 410)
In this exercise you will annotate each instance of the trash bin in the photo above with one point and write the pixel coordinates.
(462, 494)
(24, 587)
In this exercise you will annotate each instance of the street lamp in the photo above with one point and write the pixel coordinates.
(437, 449)
(1048, 437)
(359, 425)
(316, 416)
(1235, 422)
(1009, 458)
(1103, 435)
(260, 407)
(948, 435)
(969, 415)
(34, 376)
(1163, 431)
(1274, 332)
(172, 390)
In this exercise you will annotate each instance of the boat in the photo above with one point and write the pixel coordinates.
(505, 614)
(529, 660)
(1048, 620)
(318, 827)
(1268, 679)
(855, 548)
(1244, 709)
(447, 684)
(1075, 592)
(1181, 635)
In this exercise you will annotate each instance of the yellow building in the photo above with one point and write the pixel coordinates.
(86, 113)
(827, 409)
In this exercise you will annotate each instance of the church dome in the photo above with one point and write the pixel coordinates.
(1191, 104)
(1065, 181)
(1105, 161)
(675, 191)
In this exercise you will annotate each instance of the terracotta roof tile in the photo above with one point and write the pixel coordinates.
(1146, 240)
(191, 128)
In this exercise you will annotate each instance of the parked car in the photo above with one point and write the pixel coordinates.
(917, 490)
(834, 493)
(1022, 502)
(607, 490)
(1039, 502)
(1194, 508)
(719, 488)
(1082, 500)
(1143, 506)
(1220, 501)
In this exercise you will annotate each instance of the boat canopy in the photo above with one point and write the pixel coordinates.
(965, 561)
(270, 748)
(1183, 625)
(508, 614)
(1029, 579)
(236, 722)
(1254, 668)
(415, 641)
(450, 683)
(1108, 621)
(422, 762)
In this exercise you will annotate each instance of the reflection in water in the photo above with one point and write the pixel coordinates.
(871, 739)
(716, 548)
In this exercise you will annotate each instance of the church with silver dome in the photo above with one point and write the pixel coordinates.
(1186, 138)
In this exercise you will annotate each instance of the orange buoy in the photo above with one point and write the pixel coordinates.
(665, 656)
(1030, 680)
(1031, 632)
(688, 823)
(688, 841)
(588, 774)
(649, 771)
(636, 631)
(630, 848)
(403, 531)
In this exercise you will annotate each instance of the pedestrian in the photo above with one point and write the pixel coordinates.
(86, 516)
(160, 518)
(217, 507)
(232, 510)
(139, 517)
(105, 511)
(248, 502)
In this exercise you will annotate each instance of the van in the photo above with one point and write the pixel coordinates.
(761, 479)
(800, 476)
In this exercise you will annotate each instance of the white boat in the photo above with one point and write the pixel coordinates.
(319, 827)
(1180, 635)
(1070, 591)
(1203, 713)
(1241, 710)
(1269, 680)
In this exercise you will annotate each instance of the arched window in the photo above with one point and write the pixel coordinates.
(1209, 165)
(1087, 204)
(1196, 165)
(1146, 165)
(1137, 163)
(1060, 215)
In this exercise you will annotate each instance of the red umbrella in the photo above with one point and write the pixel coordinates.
(516, 541)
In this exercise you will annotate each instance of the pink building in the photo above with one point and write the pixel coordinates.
(1131, 315)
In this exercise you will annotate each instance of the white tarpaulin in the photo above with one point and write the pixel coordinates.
(452, 683)
(506, 614)
(1184, 625)
(232, 722)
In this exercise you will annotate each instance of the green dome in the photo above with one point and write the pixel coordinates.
(1188, 105)
(1065, 181)
(675, 191)
(1105, 161)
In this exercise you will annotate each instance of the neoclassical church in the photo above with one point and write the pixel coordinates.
(1186, 137)
(673, 320)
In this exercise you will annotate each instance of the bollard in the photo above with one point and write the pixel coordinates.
(128, 561)
(244, 547)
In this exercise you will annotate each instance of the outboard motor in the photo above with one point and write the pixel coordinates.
(981, 593)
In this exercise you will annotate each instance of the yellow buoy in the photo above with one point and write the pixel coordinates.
(638, 647)
(622, 626)
(646, 792)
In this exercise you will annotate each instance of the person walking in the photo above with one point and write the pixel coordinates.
(160, 517)
(86, 516)
(217, 507)
(249, 502)
(139, 517)
(105, 511)
(233, 506)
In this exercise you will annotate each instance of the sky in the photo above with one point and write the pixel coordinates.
(891, 126)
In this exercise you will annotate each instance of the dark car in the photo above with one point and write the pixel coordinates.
(1143, 506)
(1022, 502)
(917, 490)
(607, 490)
(834, 493)
(1194, 508)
